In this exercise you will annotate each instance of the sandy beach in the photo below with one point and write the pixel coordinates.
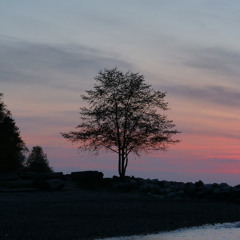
(88, 214)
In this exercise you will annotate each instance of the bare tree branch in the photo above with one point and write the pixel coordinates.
(124, 115)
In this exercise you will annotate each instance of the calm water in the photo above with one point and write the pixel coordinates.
(226, 231)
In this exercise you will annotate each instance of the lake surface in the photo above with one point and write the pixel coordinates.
(226, 231)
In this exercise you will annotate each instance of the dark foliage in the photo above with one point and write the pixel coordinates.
(37, 161)
(123, 116)
(12, 147)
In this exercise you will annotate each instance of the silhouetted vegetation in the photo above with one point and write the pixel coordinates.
(12, 147)
(123, 116)
(37, 161)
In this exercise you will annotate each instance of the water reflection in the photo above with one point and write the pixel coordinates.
(226, 231)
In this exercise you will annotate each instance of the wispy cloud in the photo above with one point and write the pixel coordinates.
(208, 132)
(31, 63)
(209, 94)
(224, 161)
(215, 59)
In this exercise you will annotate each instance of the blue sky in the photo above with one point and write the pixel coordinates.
(50, 51)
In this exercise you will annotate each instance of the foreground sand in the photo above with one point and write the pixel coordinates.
(83, 214)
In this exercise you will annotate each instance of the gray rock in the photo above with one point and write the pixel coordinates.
(199, 184)
(54, 184)
(128, 186)
(166, 183)
(156, 196)
(181, 186)
(208, 188)
(223, 185)
(162, 191)
(200, 194)
(171, 195)
(9, 176)
(215, 185)
(216, 192)
(180, 193)
(149, 188)
(227, 189)
(190, 188)
(235, 192)
(168, 190)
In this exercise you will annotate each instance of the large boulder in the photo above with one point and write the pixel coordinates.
(87, 176)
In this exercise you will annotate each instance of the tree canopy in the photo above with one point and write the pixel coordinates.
(124, 115)
(37, 161)
(12, 147)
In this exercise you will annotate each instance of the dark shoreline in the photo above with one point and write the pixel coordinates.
(88, 214)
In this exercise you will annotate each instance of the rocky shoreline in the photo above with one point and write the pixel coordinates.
(88, 206)
(177, 190)
(94, 180)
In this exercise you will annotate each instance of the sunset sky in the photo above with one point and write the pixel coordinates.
(50, 51)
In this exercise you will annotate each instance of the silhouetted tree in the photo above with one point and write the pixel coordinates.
(12, 147)
(124, 117)
(37, 161)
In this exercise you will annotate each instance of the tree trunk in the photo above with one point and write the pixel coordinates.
(121, 167)
(119, 164)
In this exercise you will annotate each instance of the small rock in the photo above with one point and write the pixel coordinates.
(171, 195)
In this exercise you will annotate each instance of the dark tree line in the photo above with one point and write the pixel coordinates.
(13, 149)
